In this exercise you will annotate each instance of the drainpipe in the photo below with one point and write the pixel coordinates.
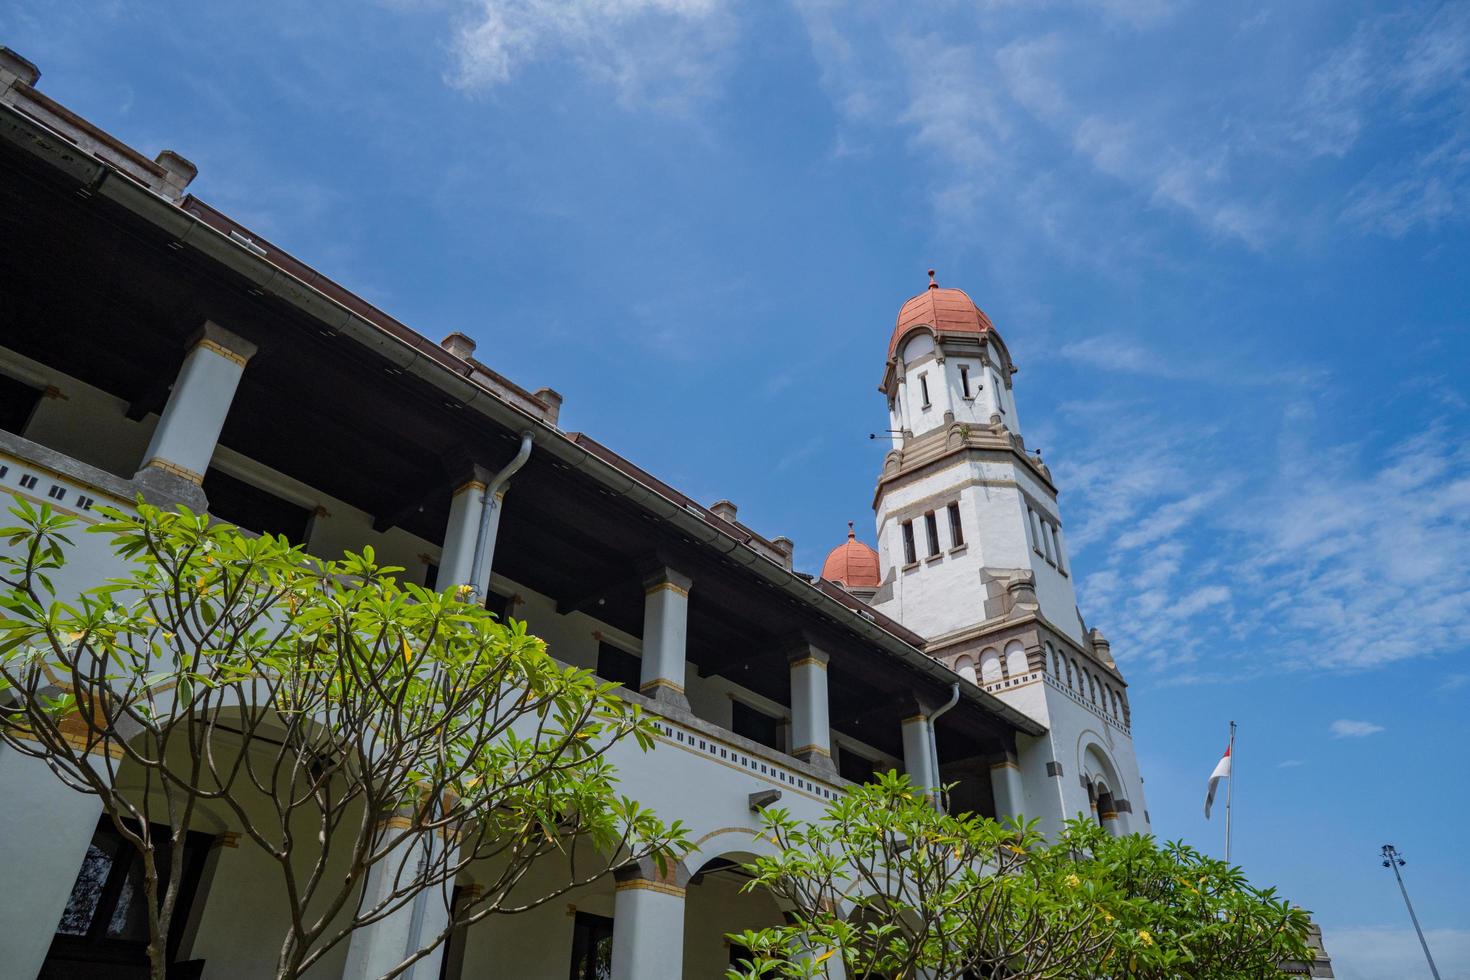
(954, 699)
(484, 540)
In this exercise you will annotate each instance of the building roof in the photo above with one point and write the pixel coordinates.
(946, 311)
(852, 564)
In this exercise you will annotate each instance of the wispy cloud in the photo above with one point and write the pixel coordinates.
(1290, 763)
(1348, 728)
(665, 53)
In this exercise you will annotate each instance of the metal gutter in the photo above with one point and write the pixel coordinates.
(410, 356)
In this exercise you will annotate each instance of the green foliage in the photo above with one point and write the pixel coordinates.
(893, 887)
(237, 671)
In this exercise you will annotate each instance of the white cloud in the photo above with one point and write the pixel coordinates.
(1347, 728)
(1454, 682)
(660, 52)
(1290, 763)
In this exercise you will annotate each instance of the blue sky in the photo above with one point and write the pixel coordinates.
(1227, 244)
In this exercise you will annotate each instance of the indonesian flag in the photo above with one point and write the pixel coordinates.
(1222, 771)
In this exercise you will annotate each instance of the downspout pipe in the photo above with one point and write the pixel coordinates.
(954, 699)
(485, 539)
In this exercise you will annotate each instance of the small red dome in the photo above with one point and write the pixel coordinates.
(852, 564)
(947, 311)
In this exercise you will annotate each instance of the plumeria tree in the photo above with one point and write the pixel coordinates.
(375, 739)
(889, 886)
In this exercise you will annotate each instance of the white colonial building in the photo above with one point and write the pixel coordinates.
(151, 344)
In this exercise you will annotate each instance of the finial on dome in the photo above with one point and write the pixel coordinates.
(850, 532)
(932, 283)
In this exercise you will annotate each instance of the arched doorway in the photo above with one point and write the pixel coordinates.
(718, 904)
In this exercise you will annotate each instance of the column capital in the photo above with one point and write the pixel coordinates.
(657, 577)
(644, 873)
(801, 647)
(226, 343)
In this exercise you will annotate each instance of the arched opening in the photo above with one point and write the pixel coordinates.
(990, 666)
(716, 905)
(965, 667)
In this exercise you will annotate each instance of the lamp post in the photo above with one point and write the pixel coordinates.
(1392, 859)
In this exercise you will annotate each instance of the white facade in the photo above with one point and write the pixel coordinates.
(973, 557)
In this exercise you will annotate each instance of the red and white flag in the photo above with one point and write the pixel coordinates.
(1222, 771)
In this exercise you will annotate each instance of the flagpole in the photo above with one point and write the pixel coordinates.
(1229, 791)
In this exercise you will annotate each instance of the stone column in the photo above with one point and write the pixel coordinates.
(648, 922)
(1006, 786)
(811, 731)
(917, 760)
(375, 949)
(47, 830)
(665, 634)
(189, 428)
(465, 507)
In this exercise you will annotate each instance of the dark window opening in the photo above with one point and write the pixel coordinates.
(924, 388)
(755, 725)
(855, 768)
(956, 532)
(1000, 401)
(931, 531)
(103, 931)
(431, 575)
(965, 380)
(247, 506)
(592, 939)
(498, 604)
(618, 666)
(910, 555)
(18, 402)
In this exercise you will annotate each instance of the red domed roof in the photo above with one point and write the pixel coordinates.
(946, 310)
(852, 564)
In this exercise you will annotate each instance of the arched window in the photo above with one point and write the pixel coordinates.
(1016, 665)
(990, 666)
(965, 667)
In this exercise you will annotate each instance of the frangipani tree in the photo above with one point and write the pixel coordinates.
(376, 739)
(888, 886)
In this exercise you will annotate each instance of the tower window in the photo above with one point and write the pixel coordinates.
(1000, 401)
(931, 531)
(910, 554)
(965, 380)
(956, 532)
(1056, 540)
(924, 388)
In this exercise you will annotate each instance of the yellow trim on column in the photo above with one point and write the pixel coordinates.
(659, 682)
(804, 661)
(215, 347)
(653, 886)
(812, 749)
(913, 718)
(229, 838)
(179, 471)
(396, 822)
(1107, 815)
(1007, 764)
(666, 585)
(469, 485)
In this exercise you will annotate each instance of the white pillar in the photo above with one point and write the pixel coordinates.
(375, 949)
(189, 428)
(811, 731)
(465, 507)
(648, 923)
(665, 635)
(917, 760)
(1007, 788)
(47, 829)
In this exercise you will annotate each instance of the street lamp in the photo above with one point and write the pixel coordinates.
(1392, 859)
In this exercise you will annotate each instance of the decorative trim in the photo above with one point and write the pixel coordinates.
(1007, 764)
(659, 682)
(78, 741)
(913, 718)
(666, 585)
(215, 347)
(469, 485)
(395, 822)
(724, 830)
(653, 886)
(1107, 815)
(229, 838)
(813, 661)
(181, 472)
(811, 750)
